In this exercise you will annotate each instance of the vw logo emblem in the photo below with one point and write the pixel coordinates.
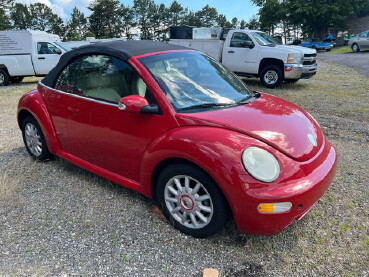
(312, 140)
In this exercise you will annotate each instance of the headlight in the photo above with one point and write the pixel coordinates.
(260, 164)
(294, 58)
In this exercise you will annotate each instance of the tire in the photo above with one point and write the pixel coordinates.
(34, 139)
(4, 78)
(15, 80)
(291, 80)
(200, 213)
(271, 76)
(355, 48)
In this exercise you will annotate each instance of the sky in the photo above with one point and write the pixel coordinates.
(242, 9)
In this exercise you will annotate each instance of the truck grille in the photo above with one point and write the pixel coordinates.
(309, 59)
(309, 62)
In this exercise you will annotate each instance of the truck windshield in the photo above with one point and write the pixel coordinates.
(193, 81)
(62, 46)
(263, 39)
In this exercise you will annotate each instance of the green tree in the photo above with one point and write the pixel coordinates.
(208, 16)
(234, 22)
(104, 18)
(191, 19)
(126, 20)
(175, 13)
(76, 26)
(270, 15)
(21, 17)
(143, 10)
(242, 24)
(253, 24)
(5, 6)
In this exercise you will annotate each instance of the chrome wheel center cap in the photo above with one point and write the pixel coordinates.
(187, 202)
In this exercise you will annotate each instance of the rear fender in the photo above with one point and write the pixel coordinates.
(32, 104)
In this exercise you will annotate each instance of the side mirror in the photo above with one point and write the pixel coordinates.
(248, 44)
(57, 51)
(137, 104)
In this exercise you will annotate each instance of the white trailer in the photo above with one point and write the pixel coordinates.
(28, 53)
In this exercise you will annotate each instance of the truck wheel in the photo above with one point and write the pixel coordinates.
(355, 48)
(15, 80)
(4, 78)
(271, 76)
(191, 200)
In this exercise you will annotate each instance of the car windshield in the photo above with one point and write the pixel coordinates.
(193, 81)
(63, 46)
(263, 39)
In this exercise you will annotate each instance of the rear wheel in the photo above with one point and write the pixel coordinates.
(4, 78)
(271, 76)
(355, 47)
(34, 139)
(15, 80)
(191, 200)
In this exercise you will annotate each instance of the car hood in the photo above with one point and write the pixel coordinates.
(270, 119)
(296, 49)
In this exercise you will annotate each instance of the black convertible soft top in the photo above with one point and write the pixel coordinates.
(120, 49)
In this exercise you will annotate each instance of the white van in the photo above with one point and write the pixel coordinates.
(28, 53)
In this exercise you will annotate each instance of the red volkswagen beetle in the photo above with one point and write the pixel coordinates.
(174, 124)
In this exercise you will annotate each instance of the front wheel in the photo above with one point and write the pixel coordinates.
(355, 48)
(191, 200)
(271, 76)
(4, 78)
(34, 139)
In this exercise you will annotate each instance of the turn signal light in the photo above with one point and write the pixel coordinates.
(275, 207)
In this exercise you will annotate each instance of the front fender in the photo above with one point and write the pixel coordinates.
(216, 150)
(32, 103)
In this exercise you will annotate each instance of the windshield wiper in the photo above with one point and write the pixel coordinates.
(207, 105)
(249, 98)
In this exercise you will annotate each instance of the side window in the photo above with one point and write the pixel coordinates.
(108, 78)
(45, 48)
(67, 79)
(238, 40)
(363, 35)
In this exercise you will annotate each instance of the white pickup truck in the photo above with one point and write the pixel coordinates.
(28, 53)
(251, 53)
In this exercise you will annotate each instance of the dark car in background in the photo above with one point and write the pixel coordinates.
(331, 41)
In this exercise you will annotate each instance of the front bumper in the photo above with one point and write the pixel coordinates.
(293, 71)
(309, 71)
(302, 192)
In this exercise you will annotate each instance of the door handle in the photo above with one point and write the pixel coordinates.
(41, 58)
(231, 51)
(73, 110)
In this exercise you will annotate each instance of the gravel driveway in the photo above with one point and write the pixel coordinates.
(59, 220)
(358, 61)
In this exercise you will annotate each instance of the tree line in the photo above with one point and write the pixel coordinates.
(310, 17)
(110, 18)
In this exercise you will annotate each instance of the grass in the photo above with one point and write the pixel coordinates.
(341, 49)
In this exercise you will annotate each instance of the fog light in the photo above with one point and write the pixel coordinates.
(275, 207)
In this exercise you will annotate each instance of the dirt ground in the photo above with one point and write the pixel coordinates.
(59, 220)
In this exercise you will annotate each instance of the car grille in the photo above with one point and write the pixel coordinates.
(309, 55)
